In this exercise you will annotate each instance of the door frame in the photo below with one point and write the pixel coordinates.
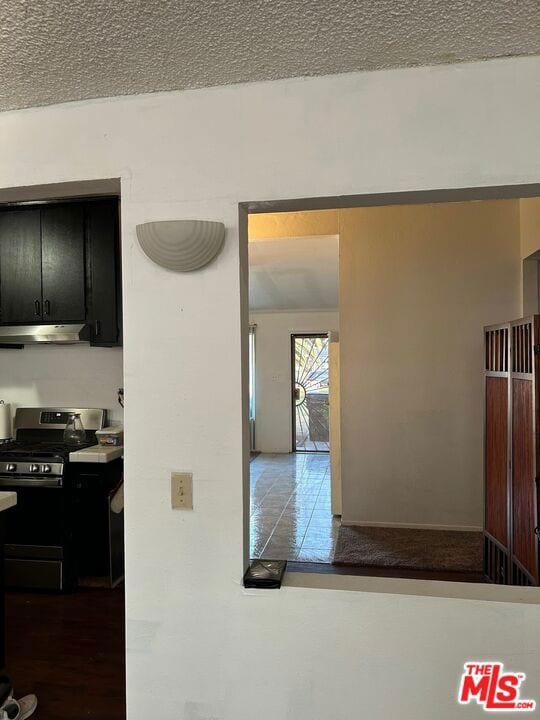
(374, 199)
(295, 335)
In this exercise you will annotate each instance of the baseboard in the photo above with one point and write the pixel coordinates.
(412, 526)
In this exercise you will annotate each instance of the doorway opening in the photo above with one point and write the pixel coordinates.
(63, 541)
(294, 325)
(310, 386)
(413, 463)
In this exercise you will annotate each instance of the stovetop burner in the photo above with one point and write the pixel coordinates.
(22, 450)
(39, 448)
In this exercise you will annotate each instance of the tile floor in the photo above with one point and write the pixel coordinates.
(291, 517)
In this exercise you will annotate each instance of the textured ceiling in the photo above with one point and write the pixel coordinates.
(59, 50)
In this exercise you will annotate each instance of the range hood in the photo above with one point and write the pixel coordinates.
(18, 335)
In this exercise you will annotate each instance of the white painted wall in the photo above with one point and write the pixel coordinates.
(273, 429)
(418, 285)
(199, 646)
(294, 274)
(64, 376)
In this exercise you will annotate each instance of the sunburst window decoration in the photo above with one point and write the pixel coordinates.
(311, 393)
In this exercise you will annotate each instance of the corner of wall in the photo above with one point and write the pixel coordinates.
(529, 234)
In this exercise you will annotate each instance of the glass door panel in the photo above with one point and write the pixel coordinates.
(310, 393)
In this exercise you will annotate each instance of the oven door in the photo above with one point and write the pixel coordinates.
(38, 533)
(31, 481)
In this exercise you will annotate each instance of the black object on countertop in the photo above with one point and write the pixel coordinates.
(267, 574)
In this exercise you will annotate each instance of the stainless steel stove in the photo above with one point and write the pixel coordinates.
(38, 454)
(54, 496)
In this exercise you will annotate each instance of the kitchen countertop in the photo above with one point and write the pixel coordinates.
(7, 500)
(97, 454)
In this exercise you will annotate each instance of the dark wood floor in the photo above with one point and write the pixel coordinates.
(330, 569)
(69, 651)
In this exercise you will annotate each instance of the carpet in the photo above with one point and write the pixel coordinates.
(411, 549)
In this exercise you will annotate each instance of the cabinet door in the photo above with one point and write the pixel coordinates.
(62, 238)
(104, 286)
(20, 267)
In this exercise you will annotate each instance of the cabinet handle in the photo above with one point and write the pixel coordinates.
(98, 328)
(37, 306)
(47, 307)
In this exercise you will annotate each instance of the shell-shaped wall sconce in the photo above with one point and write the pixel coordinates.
(181, 245)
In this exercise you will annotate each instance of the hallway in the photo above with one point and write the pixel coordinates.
(291, 517)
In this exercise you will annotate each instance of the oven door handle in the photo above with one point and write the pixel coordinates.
(30, 482)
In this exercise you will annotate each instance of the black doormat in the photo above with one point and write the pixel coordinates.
(444, 550)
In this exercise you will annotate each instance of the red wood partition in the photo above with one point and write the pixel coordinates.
(511, 450)
(497, 451)
(524, 517)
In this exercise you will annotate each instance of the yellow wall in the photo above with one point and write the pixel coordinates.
(293, 224)
(417, 285)
(334, 420)
(530, 226)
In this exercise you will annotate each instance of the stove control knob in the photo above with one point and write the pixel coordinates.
(34, 468)
(46, 468)
(11, 467)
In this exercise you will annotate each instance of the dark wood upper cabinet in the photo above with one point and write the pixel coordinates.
(104, 281)
(62, 252)
(60, 263)
(20, 267)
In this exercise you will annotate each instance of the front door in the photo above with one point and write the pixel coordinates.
(310, 392)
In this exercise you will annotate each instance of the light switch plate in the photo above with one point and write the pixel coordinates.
(182, 490)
